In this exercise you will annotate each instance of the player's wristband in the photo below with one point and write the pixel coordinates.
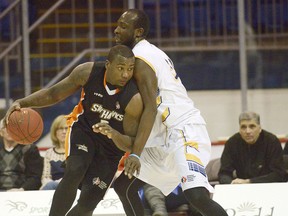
(134, 155)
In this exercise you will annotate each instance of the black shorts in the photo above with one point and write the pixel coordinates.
(101, 164)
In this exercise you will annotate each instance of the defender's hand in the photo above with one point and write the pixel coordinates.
(131, 165)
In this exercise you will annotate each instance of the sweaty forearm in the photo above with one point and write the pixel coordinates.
(123, 142)
(144, 130)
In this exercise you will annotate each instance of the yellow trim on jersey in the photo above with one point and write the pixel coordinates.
(158, 101)
(140, 57)
(165, 114)
(192, 157)
(192, 144)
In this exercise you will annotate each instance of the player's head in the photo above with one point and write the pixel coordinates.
(249, 126)
(119, 65)
(132, 26)
(58, 130)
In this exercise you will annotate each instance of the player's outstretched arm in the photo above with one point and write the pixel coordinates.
(56, 93)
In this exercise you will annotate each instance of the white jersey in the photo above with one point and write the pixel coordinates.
(174, 105)
(178, 148)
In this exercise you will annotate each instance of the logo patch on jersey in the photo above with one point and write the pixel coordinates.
(188, 178)
(98, 94)
(82, 147)
(196, 168)
(101, 184)
(105, 113)
(117, 105)
(191, 178)
(183, 179)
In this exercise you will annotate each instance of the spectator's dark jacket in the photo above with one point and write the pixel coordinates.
(261, 162)
(20, 168)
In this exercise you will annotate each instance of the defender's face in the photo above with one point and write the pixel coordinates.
(120, 70)
(125, 31)
(250, 131)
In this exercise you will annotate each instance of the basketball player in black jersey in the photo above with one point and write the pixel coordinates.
(109, 97)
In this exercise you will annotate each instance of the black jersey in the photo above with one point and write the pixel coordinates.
(98, 103)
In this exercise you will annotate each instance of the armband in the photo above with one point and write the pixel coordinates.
(134, 155)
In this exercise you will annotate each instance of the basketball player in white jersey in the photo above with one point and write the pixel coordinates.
(178, 147)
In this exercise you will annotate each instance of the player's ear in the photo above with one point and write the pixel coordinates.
(139, 32)
(107, 63)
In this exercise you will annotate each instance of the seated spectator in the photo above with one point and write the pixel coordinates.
(255, 155)
(21, 165)
(54, 157)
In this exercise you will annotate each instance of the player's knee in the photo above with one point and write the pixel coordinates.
(76, 167)
(122, 187)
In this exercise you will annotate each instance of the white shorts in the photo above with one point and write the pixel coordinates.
(181, 159)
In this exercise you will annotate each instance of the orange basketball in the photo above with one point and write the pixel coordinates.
(25, 126)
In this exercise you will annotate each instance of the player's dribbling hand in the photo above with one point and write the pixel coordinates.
(15, 106)
(131, 165)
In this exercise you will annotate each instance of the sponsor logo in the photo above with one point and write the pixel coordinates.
(98, 94)
(188, 178)
(101, 184)
(183, 179)
(117, 105)
(250, 209)
(110, 203)
(191, 178)
(16, 206)
(82, 147)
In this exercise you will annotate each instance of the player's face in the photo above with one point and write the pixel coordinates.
(250, 131)
(125, 32)
(120, 70)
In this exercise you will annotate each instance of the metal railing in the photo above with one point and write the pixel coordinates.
(39, 58)
(59, 35)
